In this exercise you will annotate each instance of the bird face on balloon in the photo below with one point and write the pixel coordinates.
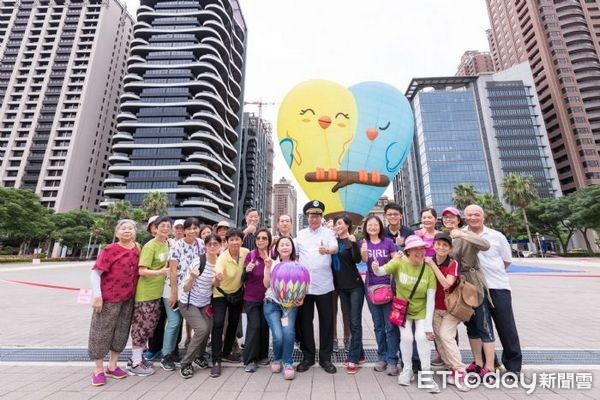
(316, 123)
(382, 142)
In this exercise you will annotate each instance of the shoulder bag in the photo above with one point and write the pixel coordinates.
(399, 309)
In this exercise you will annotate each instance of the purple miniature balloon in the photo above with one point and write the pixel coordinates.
(289, 281)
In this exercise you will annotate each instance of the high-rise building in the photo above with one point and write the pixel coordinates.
(284, 202)
(473, 130)
(61, 70)
(180, 119)
(475, 62)
(256, 169)
(559, 40)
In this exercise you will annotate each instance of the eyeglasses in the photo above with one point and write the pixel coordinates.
(262, 238)
(392, 215)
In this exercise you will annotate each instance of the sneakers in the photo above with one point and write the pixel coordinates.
(250, 367)
(140, 370)
(151, 356)
(457, 378)
(276, 367)
(405, 377)
(201, 362)
(288, 372)
(351, 368)
(186, 371)
(486, 375)
(116, 373)
(473, 368)
(380, 366)
(264, 361)
(362, 359)
(392, 370)
(437, 361)
(231, 358)
(167, 363)
(433, 387)
(98, 380)
(215, 371)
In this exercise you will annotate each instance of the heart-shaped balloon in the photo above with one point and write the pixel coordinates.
(345, 146)
(381, 144)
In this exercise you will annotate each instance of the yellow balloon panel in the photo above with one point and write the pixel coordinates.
(316, 124)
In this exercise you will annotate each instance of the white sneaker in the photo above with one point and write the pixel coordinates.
(405, 377)
(433, 387)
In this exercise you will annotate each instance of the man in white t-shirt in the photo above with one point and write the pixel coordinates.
(316, 244)
(494, 263)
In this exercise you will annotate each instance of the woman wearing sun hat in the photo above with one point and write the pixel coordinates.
(406, 271)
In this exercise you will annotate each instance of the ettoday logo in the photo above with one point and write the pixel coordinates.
(510, 380)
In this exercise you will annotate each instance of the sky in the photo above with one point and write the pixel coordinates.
(393, 41)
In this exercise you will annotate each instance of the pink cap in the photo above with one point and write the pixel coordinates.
(451, 210)
(414, 241)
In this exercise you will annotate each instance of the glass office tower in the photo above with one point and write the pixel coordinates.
(180, 120)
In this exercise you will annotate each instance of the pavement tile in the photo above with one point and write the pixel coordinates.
(274, 395)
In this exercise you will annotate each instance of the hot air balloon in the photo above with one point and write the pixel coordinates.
(315, 126)
(382, 142)
(289, 281)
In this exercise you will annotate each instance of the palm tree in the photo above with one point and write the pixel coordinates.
(464, 194)
(493, 208)
(155, 203)
(520, 191)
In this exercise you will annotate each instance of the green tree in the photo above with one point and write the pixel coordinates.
(511, 224)
(585, 207)
(520, 192)
(155, 203)
(463, 195)
(23, 218)
(551, 216)
(73, 229)
(117, 210)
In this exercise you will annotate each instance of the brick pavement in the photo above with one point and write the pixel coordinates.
(36, 317)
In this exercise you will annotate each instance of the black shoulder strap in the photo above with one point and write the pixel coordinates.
(414, 289)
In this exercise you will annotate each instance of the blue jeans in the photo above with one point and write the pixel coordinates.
(352, 301)
(172, 329)
(387, 334)
(282, 336)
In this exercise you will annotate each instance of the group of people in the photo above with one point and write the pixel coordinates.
(208, 276)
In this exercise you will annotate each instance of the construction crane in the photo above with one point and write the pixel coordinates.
(260, 105)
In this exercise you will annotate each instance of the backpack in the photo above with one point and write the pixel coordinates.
(461, 302)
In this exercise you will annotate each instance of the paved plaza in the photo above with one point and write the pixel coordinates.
(555, 303)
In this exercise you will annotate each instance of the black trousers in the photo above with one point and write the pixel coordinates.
(504, 320)
(219, 346)
(256, 344)
(307, 311)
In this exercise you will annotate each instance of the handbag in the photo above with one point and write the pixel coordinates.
(399, 309)
(233, 298)
(462, 301)
(379, 294)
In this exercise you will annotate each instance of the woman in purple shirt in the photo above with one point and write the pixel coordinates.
(428, 231)
(256, 348)
(377, 247)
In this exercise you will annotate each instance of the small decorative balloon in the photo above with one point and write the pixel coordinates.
(289, 281)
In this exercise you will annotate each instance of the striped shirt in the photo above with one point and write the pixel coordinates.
(201, 292)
